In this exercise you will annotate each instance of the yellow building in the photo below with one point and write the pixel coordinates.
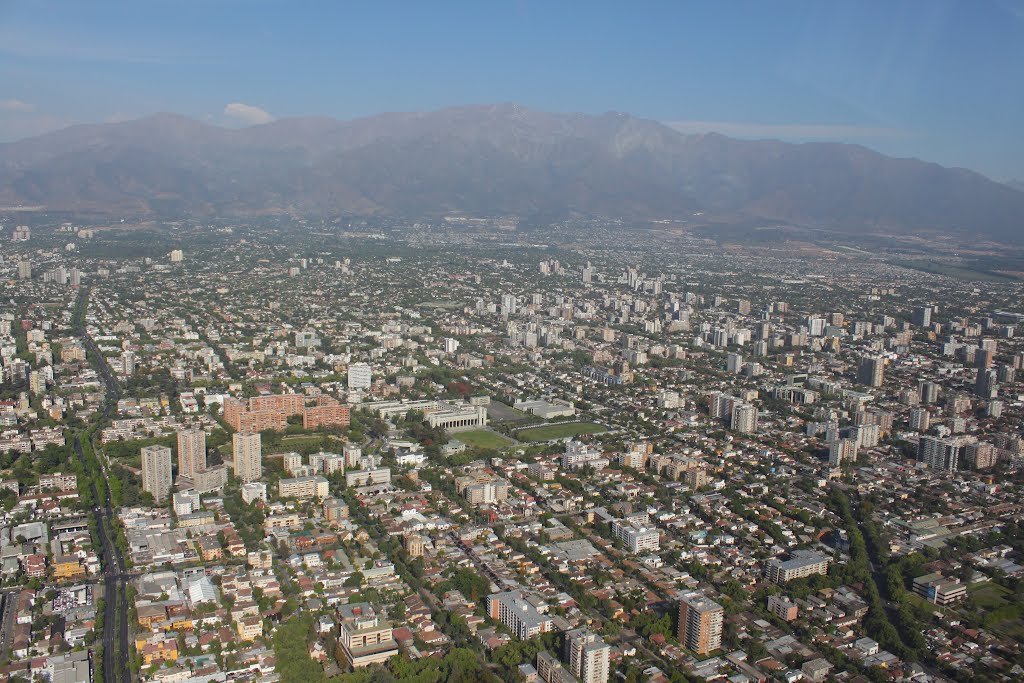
(67, 567)
(149, 615)
(161, 651)
(250, 628)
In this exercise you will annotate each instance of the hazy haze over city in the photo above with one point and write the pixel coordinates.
(511, 342)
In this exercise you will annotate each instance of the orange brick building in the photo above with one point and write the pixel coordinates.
(260, 413)
(327, 412)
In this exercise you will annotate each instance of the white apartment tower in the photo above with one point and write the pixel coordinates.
(509, 305)
(156, 471)
(191, 452)
(248, 451)
(360, 376)
(587, 656)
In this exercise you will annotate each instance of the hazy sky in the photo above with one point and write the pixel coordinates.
(938, 79)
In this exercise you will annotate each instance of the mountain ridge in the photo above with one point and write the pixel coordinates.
(496, 159)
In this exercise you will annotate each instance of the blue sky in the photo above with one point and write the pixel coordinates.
(942, 80)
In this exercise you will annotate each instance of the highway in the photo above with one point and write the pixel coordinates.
(115, 637)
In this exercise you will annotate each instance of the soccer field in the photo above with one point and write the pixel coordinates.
(481, 438)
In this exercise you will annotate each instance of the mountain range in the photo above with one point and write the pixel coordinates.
(497, 160)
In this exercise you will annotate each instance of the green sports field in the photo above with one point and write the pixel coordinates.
(482, 438)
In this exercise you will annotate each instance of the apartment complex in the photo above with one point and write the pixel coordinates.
(551, 670)
(700, 623)
(191, 452)
(379, 475)
(802, 563)
(738, 414)
(210, 479)
(335, 510)
(939, 454)
(272, 412)
(360, 376)
(587, 655)
(518, 614)
(304, 487)
(365, 637)
(326, 412)
(578, 455)
(248, 450)
(481, 488)
(636, 454)
(871, 371)
(783, 607)
(637, 535)
(156, 471)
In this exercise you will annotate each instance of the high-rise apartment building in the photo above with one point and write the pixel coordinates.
(871, 370)
(248, 450)
(928, 392)
(744, 418)
(191, 452)
(920, 419)
(801, 564)
(636, 454)
(156, 471)
(981, 454)
(551, 670)
(939, 454)
(922, 316)
(700, 623)
(637, 535)
(509, 305)
(842, 450)
(986, 385)
(734, 363)
(128, 362)
(360, 376)
(587, 655)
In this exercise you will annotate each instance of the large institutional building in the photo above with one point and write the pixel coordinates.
(450, 416)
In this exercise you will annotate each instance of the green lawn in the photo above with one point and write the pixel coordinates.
(988, 596)
(1001, 612)
(1013, 628)
(302, 443)
(481, 438)
(559, 431)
